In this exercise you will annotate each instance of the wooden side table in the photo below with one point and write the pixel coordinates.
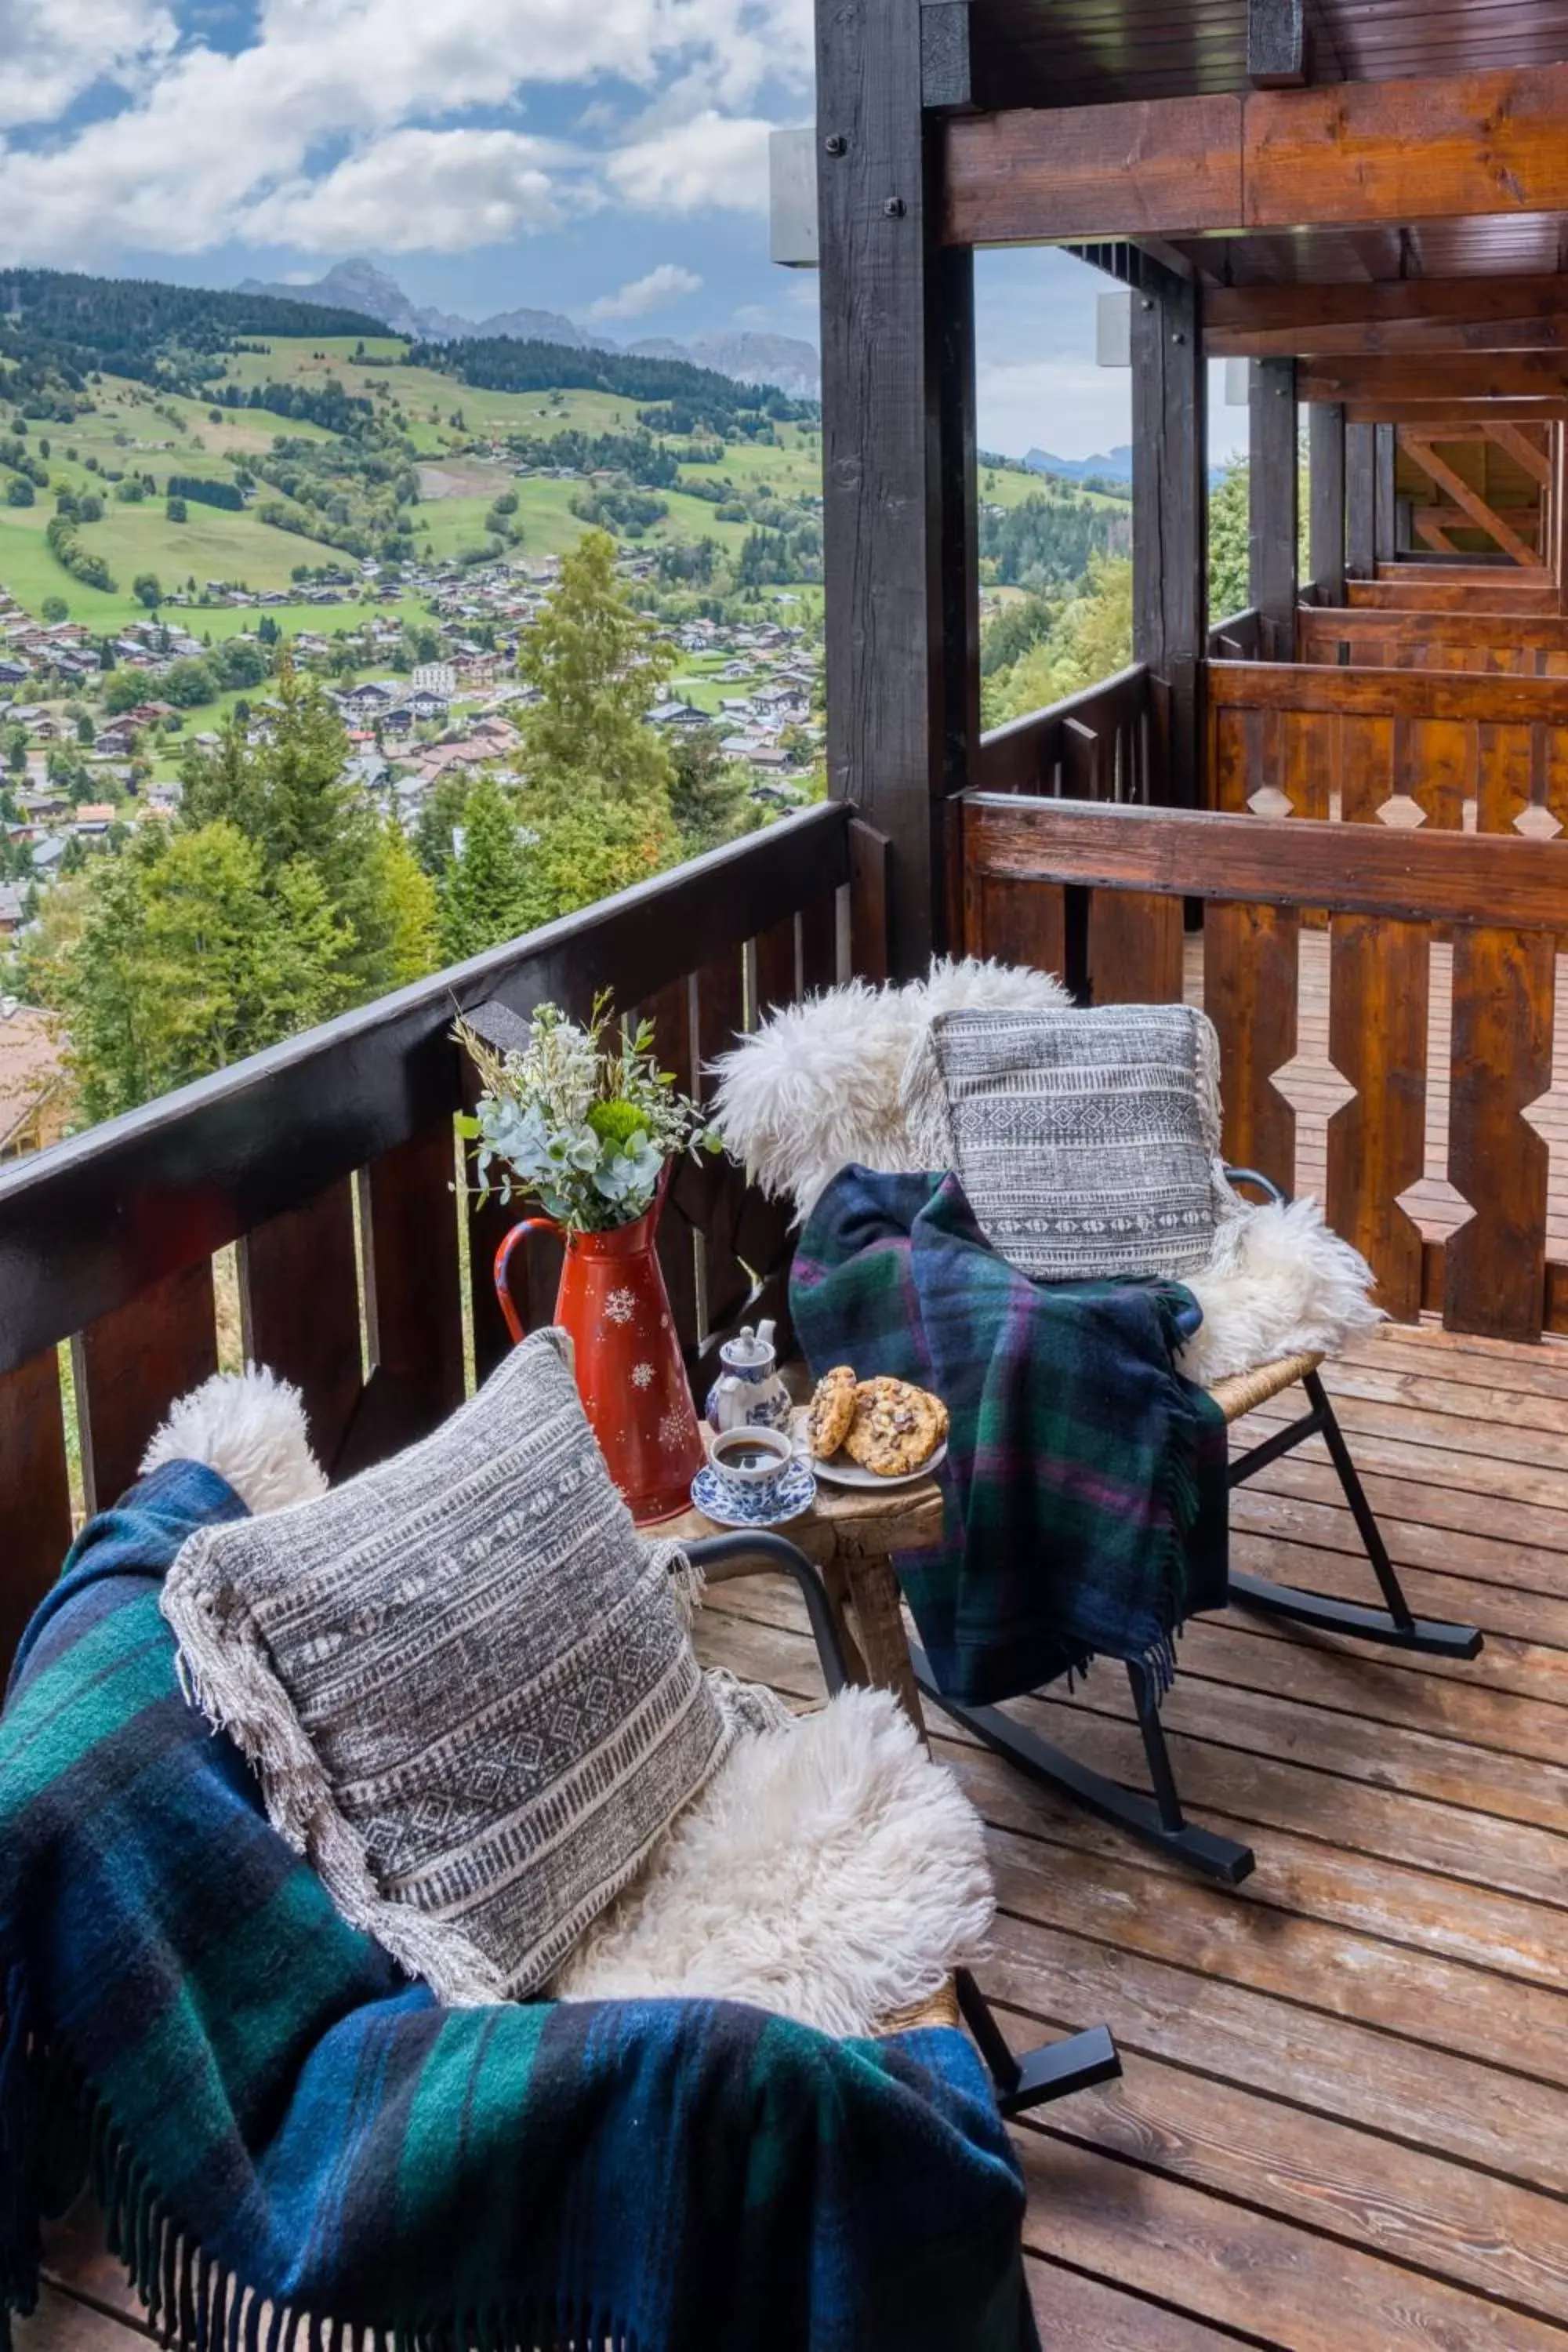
(852, 1536)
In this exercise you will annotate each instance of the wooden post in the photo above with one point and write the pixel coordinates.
(898, 459)
(1360, 501)
(1273, 505)
(1326, 502)
(1170, 508)
(1387, 524)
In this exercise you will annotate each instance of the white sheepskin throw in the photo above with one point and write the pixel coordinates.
(816, 1086)
(250, 1428)
(822, 1083)
(1279, 1284)
(829, 1871)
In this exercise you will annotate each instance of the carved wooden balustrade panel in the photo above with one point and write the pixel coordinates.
(1392, 901)
(331, 1163)
(1446, 751)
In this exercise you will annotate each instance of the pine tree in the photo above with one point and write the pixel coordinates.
(289, 797)
(599, 779)
(487, 891)
(187, 958)
(710, 796)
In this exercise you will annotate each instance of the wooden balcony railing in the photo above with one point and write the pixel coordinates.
(1500, 644)
(1104, 744)
(1446, 748)
(1440, 588)
(1408, 915)
(1240, 637)
(330, 1161)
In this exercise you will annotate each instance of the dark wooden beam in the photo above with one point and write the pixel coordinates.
(1277, 44)
(1360, 501)
(1326, 502)
(1273, 503)
(1053, 174)
(1455, 413)
(1386, 507)
(1170, 509)
(1482, 375)
(1389, 321)
(888, 397)
(1353, 154)
(946, 68)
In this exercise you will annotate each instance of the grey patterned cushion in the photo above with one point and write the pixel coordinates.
(1088, 1141)
(467, 1684)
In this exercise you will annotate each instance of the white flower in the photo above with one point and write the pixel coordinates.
(621, 1305)
(642, 1376)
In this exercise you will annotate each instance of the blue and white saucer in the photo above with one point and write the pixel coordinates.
(787, 1496)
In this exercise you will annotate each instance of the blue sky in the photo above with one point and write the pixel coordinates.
(606, 158)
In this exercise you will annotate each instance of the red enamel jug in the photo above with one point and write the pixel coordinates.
(615, 1309)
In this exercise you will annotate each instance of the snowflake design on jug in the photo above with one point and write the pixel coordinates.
(642, 1376)
(621, 1305)
(671, 1429)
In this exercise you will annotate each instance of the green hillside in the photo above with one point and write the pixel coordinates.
(427, 440)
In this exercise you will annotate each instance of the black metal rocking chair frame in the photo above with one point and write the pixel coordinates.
(1159, 1819)
(1055, 2068)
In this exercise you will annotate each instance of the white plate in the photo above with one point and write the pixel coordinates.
(842, 1472)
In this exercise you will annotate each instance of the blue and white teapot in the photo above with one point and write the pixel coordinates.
(748, 1393)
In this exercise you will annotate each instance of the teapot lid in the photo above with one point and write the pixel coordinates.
(749, 1347)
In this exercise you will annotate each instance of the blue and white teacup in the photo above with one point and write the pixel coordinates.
(750, 1466)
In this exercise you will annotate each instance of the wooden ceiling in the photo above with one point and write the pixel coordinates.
(1069, 54)
(1091, 52)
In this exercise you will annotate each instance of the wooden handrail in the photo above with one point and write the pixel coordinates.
(1371, 869)
(1077, 742)
(88, 1224)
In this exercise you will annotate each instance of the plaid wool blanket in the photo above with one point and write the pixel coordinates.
(1085, 1481)
(282, 2129)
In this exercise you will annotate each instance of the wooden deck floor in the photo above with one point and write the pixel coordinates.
(1343, 2126)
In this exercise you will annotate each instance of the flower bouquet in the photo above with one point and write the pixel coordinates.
(585, 1125)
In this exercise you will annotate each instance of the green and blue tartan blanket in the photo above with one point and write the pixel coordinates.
(1085, 1481)
(283, 2131)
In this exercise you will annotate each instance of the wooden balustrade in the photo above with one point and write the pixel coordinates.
(1066, 885)
(1238, 637)
(1447, 588)
(330, 1160)
(1446, 749)
(1500, 644)
(1104, 744)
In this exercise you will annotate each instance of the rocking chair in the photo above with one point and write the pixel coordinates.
(1159, 1818)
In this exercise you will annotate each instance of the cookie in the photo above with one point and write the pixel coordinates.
(895, 1429)
(832, 1410)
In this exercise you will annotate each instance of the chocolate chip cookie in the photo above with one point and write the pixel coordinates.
(832, 1410)
(896, 1427)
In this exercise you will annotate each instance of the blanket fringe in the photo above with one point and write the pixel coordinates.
(194, 2303)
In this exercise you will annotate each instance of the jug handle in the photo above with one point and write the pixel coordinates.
(514, 1323)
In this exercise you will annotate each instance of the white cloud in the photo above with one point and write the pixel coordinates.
(711, 159)
(661, 286)
(424, 191)
(53, 51)
(211, 147)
